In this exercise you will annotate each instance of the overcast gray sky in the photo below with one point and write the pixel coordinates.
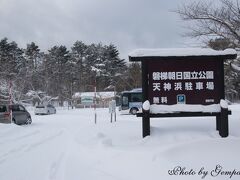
(128, 24)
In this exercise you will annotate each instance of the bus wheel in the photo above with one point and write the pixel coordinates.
(133, 111)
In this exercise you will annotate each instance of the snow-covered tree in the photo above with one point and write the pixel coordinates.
(114, 65)
(40, 97)
(78, 55)
(11, 58)
(130, 78)
(11, 64)
(32, 55)
(58, 71)
(33, 67)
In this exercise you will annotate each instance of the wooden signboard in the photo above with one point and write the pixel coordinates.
(183, 76)
(185, 81)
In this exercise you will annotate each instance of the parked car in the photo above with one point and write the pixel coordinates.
(45, 109)
(19, 114)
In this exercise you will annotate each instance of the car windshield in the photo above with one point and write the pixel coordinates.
(17, 108)
(3, 108)
(41, 106)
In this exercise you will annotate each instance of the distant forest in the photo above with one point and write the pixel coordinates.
(60, 72)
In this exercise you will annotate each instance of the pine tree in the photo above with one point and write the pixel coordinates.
(60, 72)
(58, 69)
(34, 60)
(11, 65)
(78, 55)
(11, 58)
(114, 65)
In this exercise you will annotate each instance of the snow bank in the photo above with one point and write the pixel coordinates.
(180, 52)
(155, 109)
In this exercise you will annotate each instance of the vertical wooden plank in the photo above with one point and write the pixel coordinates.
(224, 123)
(221, 118)
(222, 80)
(145, 118)
(223, 131)
(218, 121)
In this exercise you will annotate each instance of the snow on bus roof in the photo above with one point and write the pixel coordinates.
(136, 90)
(181, 52)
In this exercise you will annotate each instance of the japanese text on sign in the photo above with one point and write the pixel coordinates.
(181, 81)
(183, 75)
(187, 85)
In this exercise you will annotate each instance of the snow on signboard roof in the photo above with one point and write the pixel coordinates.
(180, 52)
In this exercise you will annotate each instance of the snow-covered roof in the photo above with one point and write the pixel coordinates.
(180, 52)
(108, 94)
(84, 94)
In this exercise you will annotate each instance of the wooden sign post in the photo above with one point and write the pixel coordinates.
(183, 76)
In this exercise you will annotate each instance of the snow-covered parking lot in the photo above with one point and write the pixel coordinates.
(69, 146)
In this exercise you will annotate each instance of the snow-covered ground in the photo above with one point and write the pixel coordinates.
(69, 146)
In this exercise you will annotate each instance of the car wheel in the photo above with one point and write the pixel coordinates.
(133, 111)
(29, 120)
(14, 121)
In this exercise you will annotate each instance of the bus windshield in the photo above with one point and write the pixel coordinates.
(131, 101)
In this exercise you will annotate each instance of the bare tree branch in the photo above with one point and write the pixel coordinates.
(223, 21)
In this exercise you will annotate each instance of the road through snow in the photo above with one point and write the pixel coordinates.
(54, 147)
(69, 146)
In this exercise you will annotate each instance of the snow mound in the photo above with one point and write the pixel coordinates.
(101, 135)
(223, 104)
(107, 142)
(190, 152)
(146, 105)
(155, 109)
(104, 141)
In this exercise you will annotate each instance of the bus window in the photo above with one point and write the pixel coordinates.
(131, 102)
(136, 97)
(125, 100)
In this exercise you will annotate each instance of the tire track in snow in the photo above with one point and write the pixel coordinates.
(31, 134)
(54, 169)
(58, 167)
(10, 153)
(7, 131)
(43, 141)
(26, 147)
